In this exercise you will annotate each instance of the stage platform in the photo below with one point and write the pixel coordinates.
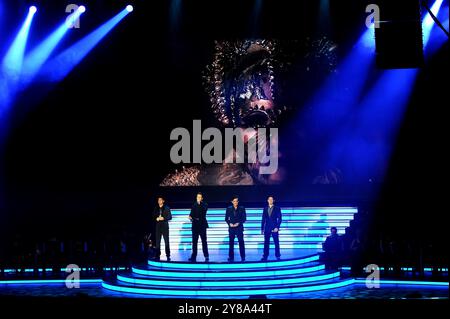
(302, 233)
(301, 228)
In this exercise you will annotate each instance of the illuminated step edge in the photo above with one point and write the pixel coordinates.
(225, 274)
(283, 232)
(237, 265)
(188, 246)
(228, 283)
(221, 218)
(229, 292)
(49, 281)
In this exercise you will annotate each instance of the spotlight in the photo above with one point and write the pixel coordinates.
(33, 9)
(129, 8)
(82, 9)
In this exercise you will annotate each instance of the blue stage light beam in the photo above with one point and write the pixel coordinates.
(436, 37)
(59, 67)
(339, 94)
(12, 62)
(428, 22)
(175, 14)
(365, 142)
(11, 68)
(36, 58)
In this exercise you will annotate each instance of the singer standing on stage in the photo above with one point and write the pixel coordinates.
(235, 217)
(270, 227)
(199, 226)
(161, 216)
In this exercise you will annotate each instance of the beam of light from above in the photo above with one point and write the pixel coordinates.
(340, 92)
(324, 16)
(428, 22)
(36, 58)
(364, 144)
(437, 37)
(12, 63)
(63, 64)
(256, 14)
(175, 14)
(12, 66)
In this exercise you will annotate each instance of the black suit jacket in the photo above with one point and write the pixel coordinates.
(269, 223)
(198, 215)
(232, 218)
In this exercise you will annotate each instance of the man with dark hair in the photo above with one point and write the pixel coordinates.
(162, 215)
(235, 217)
(199, 226)
(270, 226)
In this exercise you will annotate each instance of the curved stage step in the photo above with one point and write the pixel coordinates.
(227, 279)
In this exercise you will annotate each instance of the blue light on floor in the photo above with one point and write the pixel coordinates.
(47, 281)
(235, 292)
(407, 282)
(183, 274)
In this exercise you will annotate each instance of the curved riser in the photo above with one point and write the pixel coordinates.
(234, 266)
(227, 293)
(232, 284)
(226, 275)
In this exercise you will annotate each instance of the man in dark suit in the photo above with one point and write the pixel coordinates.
(199, 226)
(235, 217)
(270, 227)
(161, 216)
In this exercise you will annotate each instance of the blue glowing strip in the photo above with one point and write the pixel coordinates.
(406, 282)
(9, 270)
(221, 211)
(284, 231)
(235, 292)
(175, 274)
(427, 269)
(283, 239)
(12, 62)
(230, 284)
(310, 218)
(187, 224)
(251, 265)
(48, 281)
(428, 23)
(187, 246)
